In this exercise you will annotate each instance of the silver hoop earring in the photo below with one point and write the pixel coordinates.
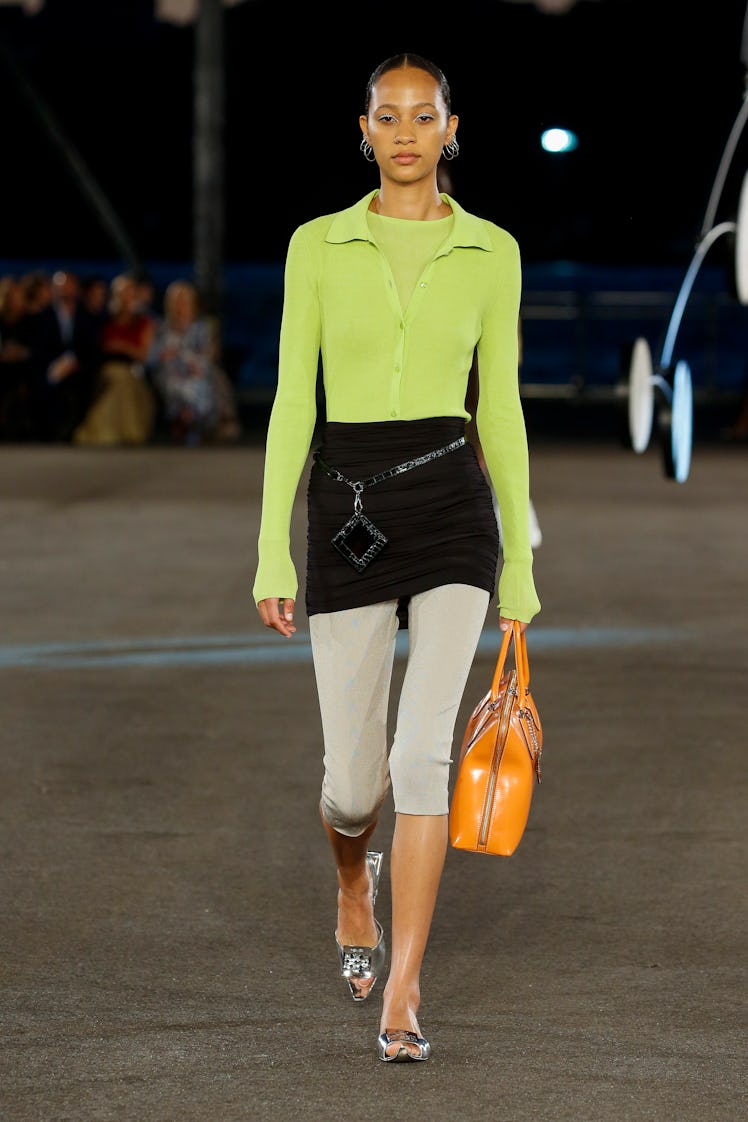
(367, 150)
(451, 150)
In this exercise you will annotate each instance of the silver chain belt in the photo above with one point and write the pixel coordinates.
(358, 485)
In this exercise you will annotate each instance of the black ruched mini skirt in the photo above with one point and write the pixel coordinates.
(438, 518)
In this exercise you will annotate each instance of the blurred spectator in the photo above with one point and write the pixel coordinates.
(94, 303)
(123, 406)
(95, 297)
(146, 291)
(65, 356)
(37, 290)
(16, 401)
(195, 392)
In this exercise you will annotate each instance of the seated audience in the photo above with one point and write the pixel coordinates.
(95, 297)
(65, 357)
(17, 421)
(37, 290)
(195, 392)
(123, 406)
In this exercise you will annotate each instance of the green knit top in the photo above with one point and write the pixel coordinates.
(388, 354)
(408, 245)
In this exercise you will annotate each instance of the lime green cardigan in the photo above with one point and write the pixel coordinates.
(380, 363)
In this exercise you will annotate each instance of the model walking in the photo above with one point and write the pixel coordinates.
(397, 294)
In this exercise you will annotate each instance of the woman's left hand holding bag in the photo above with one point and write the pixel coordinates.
(277, 612)
(505, 624)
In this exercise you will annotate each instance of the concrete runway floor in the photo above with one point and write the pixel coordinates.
(168, 897)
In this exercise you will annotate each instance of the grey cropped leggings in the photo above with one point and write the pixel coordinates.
(353, 652)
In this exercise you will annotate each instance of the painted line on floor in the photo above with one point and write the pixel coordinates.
(263, 650)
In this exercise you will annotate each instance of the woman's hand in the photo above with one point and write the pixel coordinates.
(277, 612)
(505, 624)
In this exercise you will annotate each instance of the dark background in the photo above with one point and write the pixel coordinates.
(652, 89)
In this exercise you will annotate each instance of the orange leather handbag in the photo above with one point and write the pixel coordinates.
(499, 761)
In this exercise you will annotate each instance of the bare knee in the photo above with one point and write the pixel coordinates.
(353, 822)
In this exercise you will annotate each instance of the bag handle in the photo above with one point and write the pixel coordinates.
(517, 635)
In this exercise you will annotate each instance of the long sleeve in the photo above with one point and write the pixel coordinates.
(291, 424)
(503, 438)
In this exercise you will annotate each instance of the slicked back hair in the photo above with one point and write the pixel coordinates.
(399, 62)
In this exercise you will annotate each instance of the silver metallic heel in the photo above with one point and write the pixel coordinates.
(403, 1054)
(360, 965)
(374, 859)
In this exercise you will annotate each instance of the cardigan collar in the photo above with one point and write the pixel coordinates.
(351, 225)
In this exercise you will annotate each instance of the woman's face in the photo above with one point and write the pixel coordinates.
(12, 300)
(124, 294)
(407, 124)
(182, 304)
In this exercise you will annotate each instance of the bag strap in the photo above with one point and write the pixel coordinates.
(515, 635)
(521, 659)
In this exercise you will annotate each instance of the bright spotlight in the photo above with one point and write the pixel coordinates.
(559, 140)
